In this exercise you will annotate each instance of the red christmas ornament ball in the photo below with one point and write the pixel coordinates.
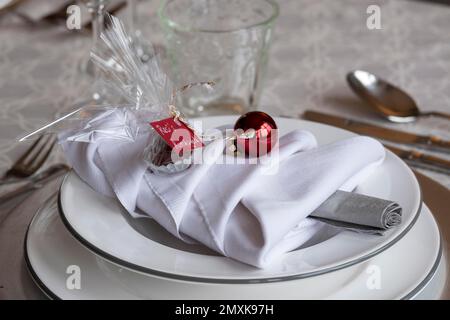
(256, 133)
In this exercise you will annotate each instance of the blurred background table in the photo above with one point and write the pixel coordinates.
(316, 43)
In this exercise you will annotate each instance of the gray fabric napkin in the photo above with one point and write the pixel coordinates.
(359, 212)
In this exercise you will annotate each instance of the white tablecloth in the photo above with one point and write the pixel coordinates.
(316, 43)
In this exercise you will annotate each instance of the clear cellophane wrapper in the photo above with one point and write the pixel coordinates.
(145, 92)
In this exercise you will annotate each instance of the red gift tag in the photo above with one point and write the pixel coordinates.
(177, 134)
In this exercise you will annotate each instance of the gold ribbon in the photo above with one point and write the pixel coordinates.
(175, 92)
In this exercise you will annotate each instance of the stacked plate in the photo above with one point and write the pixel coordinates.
(123, 258)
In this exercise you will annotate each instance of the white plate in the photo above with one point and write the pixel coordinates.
(403, 270)
(100, 224)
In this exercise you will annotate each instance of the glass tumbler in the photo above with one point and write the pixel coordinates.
(224, 41)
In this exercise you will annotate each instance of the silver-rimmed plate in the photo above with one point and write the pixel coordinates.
(65, 269)
(101, 225)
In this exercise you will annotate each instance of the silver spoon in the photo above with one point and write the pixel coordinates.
(392, 102)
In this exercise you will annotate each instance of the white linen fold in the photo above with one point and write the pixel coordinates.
(239, 210)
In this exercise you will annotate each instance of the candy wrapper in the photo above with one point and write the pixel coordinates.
(147, 95)
(146, 87)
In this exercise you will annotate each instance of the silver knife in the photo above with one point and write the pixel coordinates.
(429, 142)
(418, 159)
(36, 182)
(412, 157)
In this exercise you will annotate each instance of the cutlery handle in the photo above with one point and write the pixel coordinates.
(17, 192)
(427, 166)
(431, 142)
(436, 114)
(433, 162)
(421, 160)
(6, 180)
(44, 177)
(424, 141)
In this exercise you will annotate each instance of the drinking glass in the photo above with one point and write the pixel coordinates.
(97, 9)
(224, 41)
(140, 46)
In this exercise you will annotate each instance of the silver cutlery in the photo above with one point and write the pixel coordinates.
(36, 182)
(390, 101)
(412, 157)
(420, 160)
(31, 160)
(429, 142)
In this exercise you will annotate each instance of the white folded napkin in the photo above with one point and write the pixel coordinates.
(237, 210)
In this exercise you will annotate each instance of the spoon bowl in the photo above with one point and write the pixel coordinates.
(390, 101)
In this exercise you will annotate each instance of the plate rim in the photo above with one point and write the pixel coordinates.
(145, 270)
(51, 295)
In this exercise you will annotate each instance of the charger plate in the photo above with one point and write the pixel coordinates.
(101, 224)
(402, 271)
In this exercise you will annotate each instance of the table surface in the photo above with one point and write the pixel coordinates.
(316, 42)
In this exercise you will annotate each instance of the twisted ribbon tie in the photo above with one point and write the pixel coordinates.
(178, 117)
(173, 110)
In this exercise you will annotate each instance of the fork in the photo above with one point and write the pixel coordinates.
(31, 160)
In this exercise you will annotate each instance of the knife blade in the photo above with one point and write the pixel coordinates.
(429, 142)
